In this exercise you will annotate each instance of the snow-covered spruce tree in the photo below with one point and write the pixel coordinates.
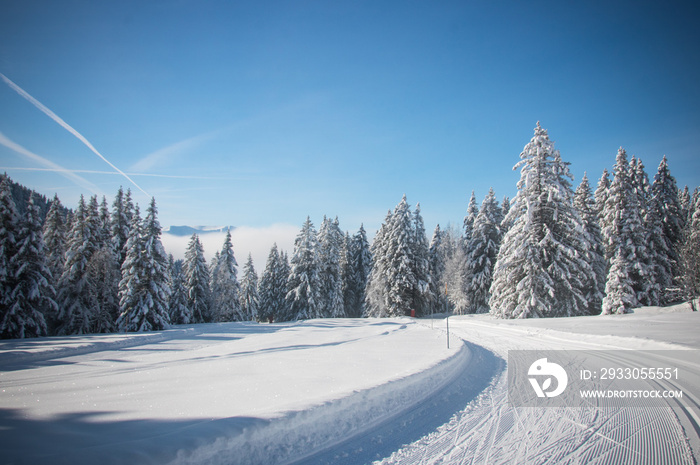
(360, 266)
(55, 238)
(9, 228)
(272, 289)
(640, 183)
(437, 261)
(74, 300)
(421, 266)
(102, 290)
(483, 251)
(376, 289)
(601, 196)
(120, 225)
(586, 206)
(304, 296)
(688, 277)
(248, 297)
(144, 290)
(178, 310)
(32, 296)
(472, 212)
(225, 288)
(541, 269)
(400, 274)
(197, 281)
(624, 232)
(664, 224)
(330, 247)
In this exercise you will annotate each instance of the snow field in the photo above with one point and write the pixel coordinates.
(217, 393)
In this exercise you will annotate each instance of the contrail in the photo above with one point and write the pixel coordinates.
(151, 175)
(51, 165)
(65, 126)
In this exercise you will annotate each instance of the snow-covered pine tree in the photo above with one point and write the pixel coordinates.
(688, 277)
(9, 228)
(144, 290)
(33, 295)
(225, 287)
(249, 298)
(102, 289)
(330, 243)
(437, 261)
(601, 196)
(664, 224)
(400, 274)
(541, 269)
(421, 266)
(346, 274)
(178, 310)
(304, 296)
(586, 206)
(626, 238)
(376, 291)
(483, 251)
(120, 224)
(360, 263)
(197, 281)
(74, 300)
(272, 296)
(472, 212)
(640, 183)
(55, 239)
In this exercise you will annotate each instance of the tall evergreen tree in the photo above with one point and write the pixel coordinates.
(437, 261)
(483, 252)
(541, 270)
(197, 281)
(304, 296)
(422, 297)
(625, 239)
(664, 223)
(376, 295)
(249, 298)
(272, 290)
(472, 212)
(400, 274)
(55, 239)
(120, 224)
(330, 245)
(74, 300)
(9, 229)
(586, 206)
(225, 287)
(33, 295)
(360, 263)
(684, 205)
(178, 310)
(145, 285)
(688, 274)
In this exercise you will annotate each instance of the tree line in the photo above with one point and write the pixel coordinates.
(551, 251)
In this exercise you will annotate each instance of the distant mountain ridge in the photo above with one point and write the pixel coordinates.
(199, 230)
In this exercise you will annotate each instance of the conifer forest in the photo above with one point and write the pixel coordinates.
(554, 250)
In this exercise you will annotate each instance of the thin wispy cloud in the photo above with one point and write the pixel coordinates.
(43, 108)
(50, 166)
(168, 154)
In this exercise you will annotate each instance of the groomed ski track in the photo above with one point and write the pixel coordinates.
(471, 422)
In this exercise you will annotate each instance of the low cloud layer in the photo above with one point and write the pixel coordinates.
(245, 239)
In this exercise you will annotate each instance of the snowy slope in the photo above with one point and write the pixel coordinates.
(333, 391)
(210, 392)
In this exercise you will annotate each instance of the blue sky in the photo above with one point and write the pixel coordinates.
(256, 113)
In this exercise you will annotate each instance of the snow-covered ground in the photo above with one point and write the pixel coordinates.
(333, 391)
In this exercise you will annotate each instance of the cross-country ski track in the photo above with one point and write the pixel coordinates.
(338, 392)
